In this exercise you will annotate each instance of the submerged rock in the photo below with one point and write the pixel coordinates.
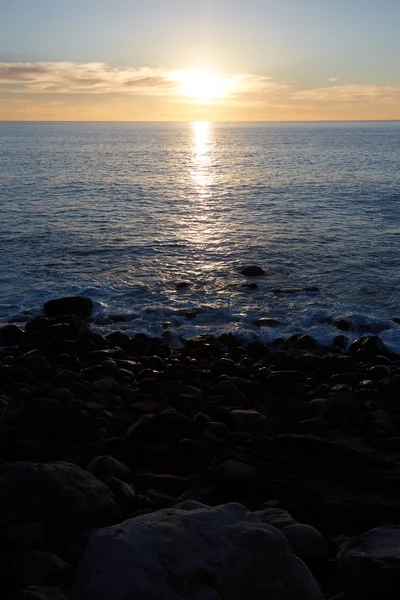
(193, 552)
(72, 305)
(252, 271)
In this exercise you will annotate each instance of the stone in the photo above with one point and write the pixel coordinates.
(252, 271)
(123, 492)
(307, 544)
(275, 516)
(104, 386)
(193, 552)
(368, 346)
(11, 334)
(369, 565)
(58, 493)
(168, 426)
(248, 420)
(234, 473)
(104, 467)
(40, 592)
(38, 568)
(73, 305)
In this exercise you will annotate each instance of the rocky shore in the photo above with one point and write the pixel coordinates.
(211, 471)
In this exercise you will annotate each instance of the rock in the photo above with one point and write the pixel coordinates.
(193, 552)
(341, 341)
(11, 334)
(104, 386)
(168, 426)
(104, 467)
(123, 492)
(26, 536)
(267, 322)
(369, 565)
(368, 346)
(58, 331)
(73, 305)
(251, 285)
(307, 544)
(252, 271)
(155, 363)
(234, 473)
(302, 342)
(248, 420)
(58, 493)
(38, 568)
(277, 517)
(39, 592)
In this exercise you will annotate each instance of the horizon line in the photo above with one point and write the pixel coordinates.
(200, 120)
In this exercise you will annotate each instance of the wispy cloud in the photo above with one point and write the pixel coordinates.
(350, 93)
(99, 78)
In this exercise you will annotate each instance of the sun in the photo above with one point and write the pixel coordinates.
(201, 85)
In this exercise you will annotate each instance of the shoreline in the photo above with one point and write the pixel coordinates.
(286, 426)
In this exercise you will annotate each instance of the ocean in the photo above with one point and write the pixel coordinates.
(155, 221)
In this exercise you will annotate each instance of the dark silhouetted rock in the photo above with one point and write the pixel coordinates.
(11, 334)
(60, 493)
(104, 467)
(193, 552)
(252, 271)
(72, 305)
(308, 544)
(369, 565)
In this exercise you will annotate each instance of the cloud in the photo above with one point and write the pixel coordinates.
(350, 93)
(99, 78)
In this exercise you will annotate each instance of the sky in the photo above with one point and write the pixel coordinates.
(222, 60)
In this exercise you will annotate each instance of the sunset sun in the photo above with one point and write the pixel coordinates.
(201, 85)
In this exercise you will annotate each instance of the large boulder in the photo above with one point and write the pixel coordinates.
(58, 493)
(72, 305)
(193, 552)
(369, 565)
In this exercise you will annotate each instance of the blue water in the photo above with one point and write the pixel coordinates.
(123, 212)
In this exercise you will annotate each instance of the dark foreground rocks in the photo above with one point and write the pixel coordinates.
(98, 431)
(193, 552)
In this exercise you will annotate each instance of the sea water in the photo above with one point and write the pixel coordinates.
(125, 212)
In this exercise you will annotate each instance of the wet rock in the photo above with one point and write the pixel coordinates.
(104, 467)
(267, 322)
(251, 285)
(369, 565)
(60, 493)
(341, 341)
(11, 334)
(252, 271)
(155, 363)
(368, 346)
(192, 551)
(73, 305)
(302, 342)
(308, 544)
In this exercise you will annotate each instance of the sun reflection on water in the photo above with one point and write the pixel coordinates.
(202, 155)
